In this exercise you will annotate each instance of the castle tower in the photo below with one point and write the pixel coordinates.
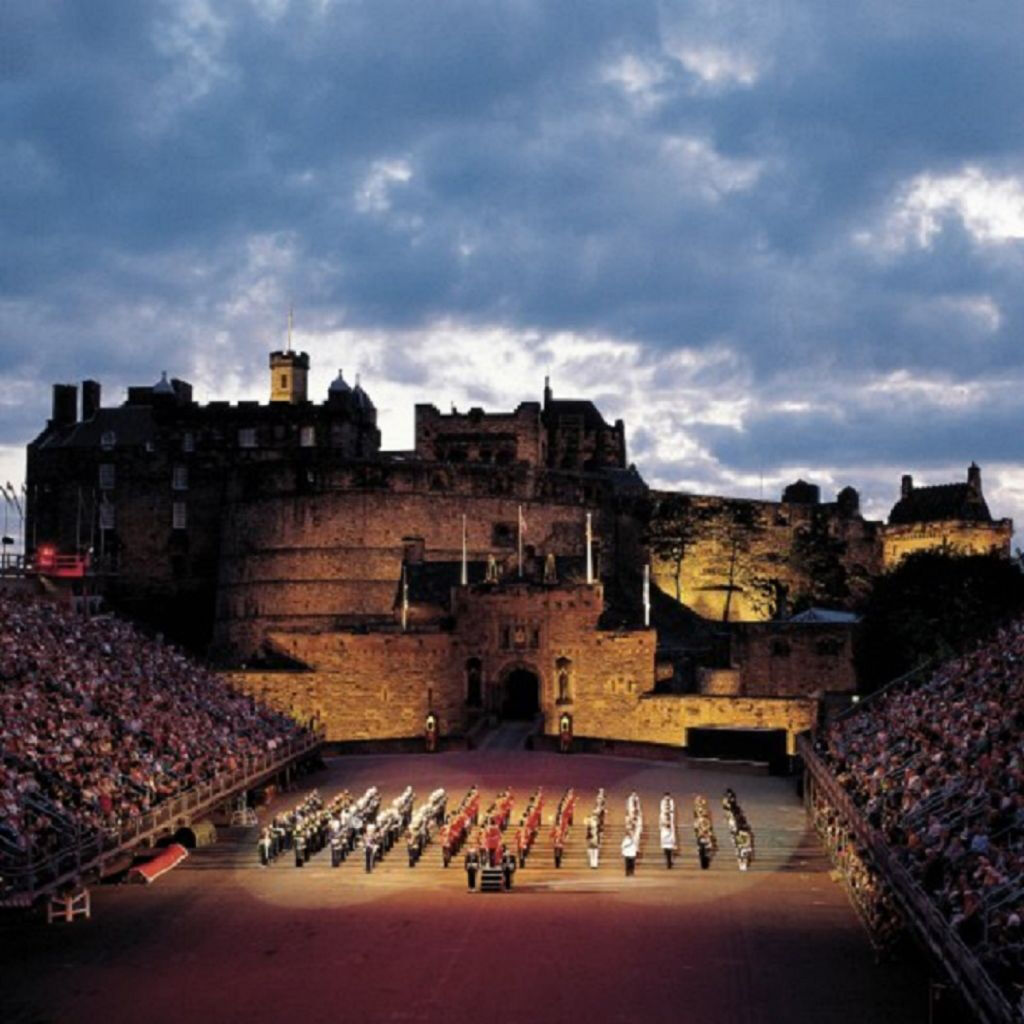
(288, 373)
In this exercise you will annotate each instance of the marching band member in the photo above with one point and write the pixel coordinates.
(593, 841)
(629, 852)
(472, 865)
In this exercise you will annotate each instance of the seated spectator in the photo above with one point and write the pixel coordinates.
(938, 770)
(98, 724)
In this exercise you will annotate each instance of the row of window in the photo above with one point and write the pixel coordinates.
(108, 477)
(247, 438)
(108, 516)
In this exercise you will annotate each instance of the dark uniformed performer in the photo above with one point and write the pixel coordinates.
(508, 867)
(300, 849)
(472, 866)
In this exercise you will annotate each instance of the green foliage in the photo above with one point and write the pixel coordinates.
(930, 607)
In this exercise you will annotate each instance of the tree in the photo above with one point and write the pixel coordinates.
(672, 531)
(932, 606)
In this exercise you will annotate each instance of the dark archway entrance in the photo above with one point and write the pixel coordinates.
(520, 696)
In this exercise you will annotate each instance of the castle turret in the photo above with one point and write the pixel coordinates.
(288, 373)
(974, 477)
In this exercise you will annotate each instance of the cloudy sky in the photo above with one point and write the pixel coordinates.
(779, 239)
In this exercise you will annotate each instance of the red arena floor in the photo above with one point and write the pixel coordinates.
(221, 938)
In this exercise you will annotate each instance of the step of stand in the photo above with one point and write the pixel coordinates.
(491, 880)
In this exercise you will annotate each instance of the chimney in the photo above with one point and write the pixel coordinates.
(65, 405)
(974, 477)
(906, 485)
(90, 399)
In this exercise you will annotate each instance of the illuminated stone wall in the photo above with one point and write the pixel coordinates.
(315, 560)
(794, 659)
(966, 538)
(377, 686)
(369, 686)
(667, 718)
(737, 560)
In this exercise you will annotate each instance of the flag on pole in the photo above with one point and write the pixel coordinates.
(464, 579)
(405, 599)
(519, 545)
(647, 596)
(590, 554)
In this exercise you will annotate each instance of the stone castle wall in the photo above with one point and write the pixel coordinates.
(378, 688)
(967, 538)
(477, 436)
(311, 559)
(365, 686)
(380, 685)
(794, 660)
(739, 560)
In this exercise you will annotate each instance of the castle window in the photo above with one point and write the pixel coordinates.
(829, 647)
(107, 516)
(503, 535)
(284, 381)
(107, 476)
(188, 441)
(179, 478)
(179, 515)
(307, 437)
(247, 437)
(108, 439)
(535, 637)
(780, 649)
(506, 638)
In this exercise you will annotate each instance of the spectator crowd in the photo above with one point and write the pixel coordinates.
(938, 770)
(98, 724)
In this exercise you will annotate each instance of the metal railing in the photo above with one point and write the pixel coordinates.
(959, 962)
(36, 876)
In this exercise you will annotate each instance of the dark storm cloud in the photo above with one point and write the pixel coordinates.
(702, 176)
(906, 431)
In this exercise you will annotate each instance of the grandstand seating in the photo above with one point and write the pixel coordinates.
(100, 727)
(936, 770)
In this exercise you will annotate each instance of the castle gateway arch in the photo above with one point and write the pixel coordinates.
(519, 691)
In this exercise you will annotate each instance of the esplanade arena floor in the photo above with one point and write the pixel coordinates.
(221, 939)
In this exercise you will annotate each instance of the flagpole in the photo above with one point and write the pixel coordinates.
(519, 543)
(405, 600)
(647, 596)
(590, 557)
(465, 567)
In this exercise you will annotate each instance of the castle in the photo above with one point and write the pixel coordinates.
(511, 563)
